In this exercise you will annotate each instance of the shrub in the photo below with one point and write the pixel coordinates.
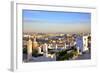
(64, 55)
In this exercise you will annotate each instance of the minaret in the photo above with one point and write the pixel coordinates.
(29, 49)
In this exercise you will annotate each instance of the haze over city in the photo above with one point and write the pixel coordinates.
(53, 22)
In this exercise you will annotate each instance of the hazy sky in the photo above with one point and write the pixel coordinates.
(50, 21)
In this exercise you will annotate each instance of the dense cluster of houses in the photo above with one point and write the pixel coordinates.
(82, 43)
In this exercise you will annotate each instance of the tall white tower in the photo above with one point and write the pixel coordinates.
(29, 49)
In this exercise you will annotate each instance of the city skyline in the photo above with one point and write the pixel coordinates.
(52, 21)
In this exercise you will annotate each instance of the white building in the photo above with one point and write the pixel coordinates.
(82, 43)
(45, 50)
(49, 46)
(39, 50)
(85, 43)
